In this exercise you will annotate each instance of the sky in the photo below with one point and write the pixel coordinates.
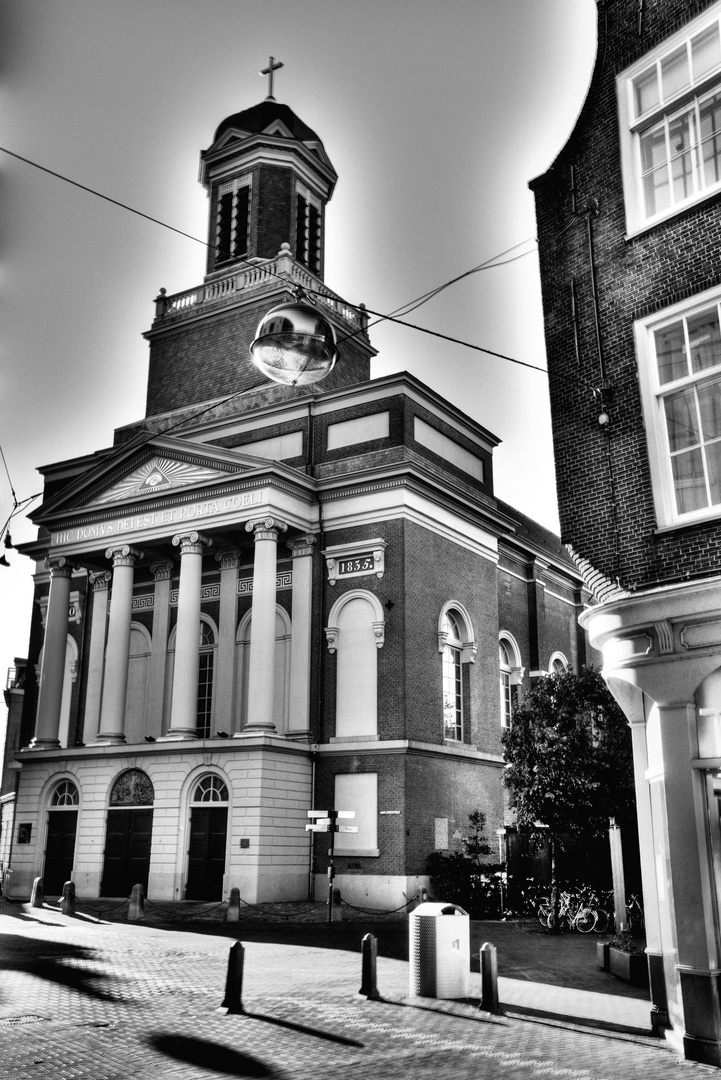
(435, 114)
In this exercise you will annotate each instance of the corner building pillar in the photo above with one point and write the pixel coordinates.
(262, 632)
(184, 704)
(52, 672)
(117, 652)
(300, 646)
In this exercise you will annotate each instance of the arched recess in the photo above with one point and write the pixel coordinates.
(457, 646)
(355, 632)
(208, 804)
(281, 670)
(207, 652)
(510, 675)
(557, 664)
(129, 833)
(136, 698)
(63, 802)
(69, 677)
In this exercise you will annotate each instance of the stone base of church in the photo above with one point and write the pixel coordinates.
(376, 892)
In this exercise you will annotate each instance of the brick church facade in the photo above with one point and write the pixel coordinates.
(263, 599)
(629, 226)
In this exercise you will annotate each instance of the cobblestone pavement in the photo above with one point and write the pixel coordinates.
(103, 1001)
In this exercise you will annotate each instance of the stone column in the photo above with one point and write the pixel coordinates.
(100, 584)
(162, 572)
(52, 673)
(225, 680)
(184, 705)
(117, 652)
(301, 640)
(262, 632)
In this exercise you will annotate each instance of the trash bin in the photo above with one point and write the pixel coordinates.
(439, 951)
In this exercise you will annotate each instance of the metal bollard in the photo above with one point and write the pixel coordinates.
(233, 914)
(136, 910)
(67, 903)
(489, 978)
(37, 896)
(336, 911)
(369, 977)
(233, 1000)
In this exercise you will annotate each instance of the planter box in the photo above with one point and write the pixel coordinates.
(631, 967)
(602, 951)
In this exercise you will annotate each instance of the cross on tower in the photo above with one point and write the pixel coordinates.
(273, 65)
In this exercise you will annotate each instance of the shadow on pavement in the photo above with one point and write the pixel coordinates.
(209, 1055)
(57, 963)
(316, 1032)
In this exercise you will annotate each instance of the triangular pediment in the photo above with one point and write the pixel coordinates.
(160, 473)
(136, 474)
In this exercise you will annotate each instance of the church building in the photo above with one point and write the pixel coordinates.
(266, 598)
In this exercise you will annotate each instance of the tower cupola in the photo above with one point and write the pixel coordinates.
(268, 179)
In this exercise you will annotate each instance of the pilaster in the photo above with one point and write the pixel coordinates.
(262, 632)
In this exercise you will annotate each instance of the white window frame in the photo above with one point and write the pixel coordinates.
(509, 676)
(455, 652)
(634, 125)
(653, 393)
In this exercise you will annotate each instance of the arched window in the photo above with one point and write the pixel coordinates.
(557, 664)
(355, 632)
(207, 646)
(65, 795)
(510, 673)
(132, 788)
(210, 788)
(457, 646)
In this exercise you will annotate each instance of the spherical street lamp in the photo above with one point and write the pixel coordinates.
(294, 345)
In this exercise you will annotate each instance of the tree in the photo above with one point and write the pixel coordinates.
(466, 877)
(569, 761)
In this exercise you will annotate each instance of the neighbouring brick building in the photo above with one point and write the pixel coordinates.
(629, 226)
(264, 599)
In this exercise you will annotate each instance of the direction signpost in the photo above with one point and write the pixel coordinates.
(327, 821)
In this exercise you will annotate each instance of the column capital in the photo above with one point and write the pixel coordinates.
(266, 528)
(162, 570)
(123, 555)
(59, 566)
(301, 545)
(192, 543)
(100, 580)
(228, 559)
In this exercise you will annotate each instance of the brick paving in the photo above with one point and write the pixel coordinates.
(102, 1001)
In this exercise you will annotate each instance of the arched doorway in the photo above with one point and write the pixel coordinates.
(62, 830)
(128, 835)
(208, 839)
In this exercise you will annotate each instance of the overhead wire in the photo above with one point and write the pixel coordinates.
(404, 309)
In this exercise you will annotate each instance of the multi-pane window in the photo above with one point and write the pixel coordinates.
(687, 385)
(670, 105)
(65, 794)
(210, 789)
(206, 662)
(307, 230)
(232, 221)
(452, 680)
(505, 664)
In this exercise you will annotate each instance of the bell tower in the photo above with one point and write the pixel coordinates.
(268, 180)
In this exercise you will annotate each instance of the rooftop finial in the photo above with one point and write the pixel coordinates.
(273, 65)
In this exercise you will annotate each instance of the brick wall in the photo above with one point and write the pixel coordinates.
(604, 484)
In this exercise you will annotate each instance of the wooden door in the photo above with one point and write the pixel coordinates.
(60, 850)
(127, 850)
(206, 856)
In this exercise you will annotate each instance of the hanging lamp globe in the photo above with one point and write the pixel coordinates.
(294, 345)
